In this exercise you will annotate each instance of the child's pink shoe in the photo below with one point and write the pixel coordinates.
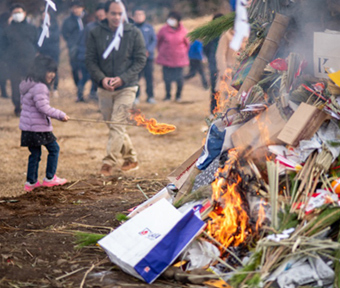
(29, 187)
(55, 181)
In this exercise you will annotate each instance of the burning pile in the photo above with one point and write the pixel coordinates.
(229, 220)
(267, 181)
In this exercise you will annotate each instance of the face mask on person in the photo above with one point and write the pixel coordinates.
(172, 22)
(18, 17)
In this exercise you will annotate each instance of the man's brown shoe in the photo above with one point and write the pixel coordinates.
(106, 170)
(129, 165)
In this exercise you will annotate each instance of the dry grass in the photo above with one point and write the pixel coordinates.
(83, 144)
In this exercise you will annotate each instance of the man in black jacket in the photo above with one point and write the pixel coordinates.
(3, 65)
(100, 15)
(71, 31)
(115, 55)
(20, 40)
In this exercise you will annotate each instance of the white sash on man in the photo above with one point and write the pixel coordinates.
(115, 43)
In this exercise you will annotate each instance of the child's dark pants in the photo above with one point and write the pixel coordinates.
(34, 159)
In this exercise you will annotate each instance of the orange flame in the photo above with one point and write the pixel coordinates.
(219, 105)
(151, 124)
(229, 225)
(261, 216)
(263, 123)
(224, 88)
(263, 127)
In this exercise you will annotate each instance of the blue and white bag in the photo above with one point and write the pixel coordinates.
(147, 244)
(213, 144)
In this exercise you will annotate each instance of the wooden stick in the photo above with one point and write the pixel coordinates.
(305, 173)
(85, 275)
(310, 192)
(102, 121)
(91, 226)
(287, 190)
(141, 190)
(89, 270)
(75, 183)
(305, 195)
(328, 183)
(69, 274)
(272, 169)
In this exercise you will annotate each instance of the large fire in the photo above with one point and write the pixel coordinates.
(229, 224)
(151, 124)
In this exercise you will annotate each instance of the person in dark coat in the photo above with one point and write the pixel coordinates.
(150, 39)
(3, 66)
(210, 52)
(116, 72)
(71, 31)
(51, 47)
(100, 15)
(20, 40)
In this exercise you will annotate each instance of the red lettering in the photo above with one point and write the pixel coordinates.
(186, 170)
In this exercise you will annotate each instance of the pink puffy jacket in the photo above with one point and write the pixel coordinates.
(36, 110)
(173, 46)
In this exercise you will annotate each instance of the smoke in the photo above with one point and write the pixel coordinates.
(308, 17)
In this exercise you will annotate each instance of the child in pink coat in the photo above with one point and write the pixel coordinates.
(35, 122)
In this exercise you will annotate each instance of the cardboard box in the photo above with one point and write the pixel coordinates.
(163, 194)
(326, 52)
(304, 123)
(227, 144)
(260, 131)
(180, 174)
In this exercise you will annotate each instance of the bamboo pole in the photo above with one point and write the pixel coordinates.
(273, 177)
(267, 52)
(101, 121)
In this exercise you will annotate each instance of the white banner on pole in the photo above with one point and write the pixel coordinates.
(47, 22)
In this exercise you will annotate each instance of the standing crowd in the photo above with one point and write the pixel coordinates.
(109, 49)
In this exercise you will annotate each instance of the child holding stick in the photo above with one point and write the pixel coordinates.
(35, 122)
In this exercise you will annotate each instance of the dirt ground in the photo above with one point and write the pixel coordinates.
(36, 246)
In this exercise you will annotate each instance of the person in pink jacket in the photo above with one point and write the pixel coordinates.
(35, 122)
(173, 47)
